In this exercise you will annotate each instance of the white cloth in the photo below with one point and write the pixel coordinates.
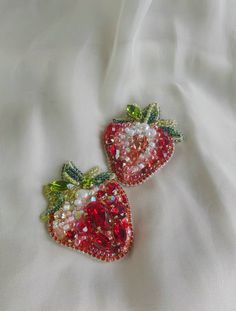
(67, 68)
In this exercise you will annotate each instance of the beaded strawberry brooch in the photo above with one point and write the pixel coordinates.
(140, 144)
(89, 212)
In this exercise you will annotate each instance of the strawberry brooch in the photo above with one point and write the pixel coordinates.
(140, 144)
(89, 212)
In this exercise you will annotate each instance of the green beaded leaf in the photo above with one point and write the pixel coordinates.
(102, 177)
(58, 185)
(71, 173)
(92, 172)
(55, 201)
(151, 113)
(177, 135)
(134, 112)
(166, 123)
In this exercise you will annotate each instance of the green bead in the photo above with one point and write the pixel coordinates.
(59, 185)
(102, 177)
(44, 217)
(134, 112)
(87, 183)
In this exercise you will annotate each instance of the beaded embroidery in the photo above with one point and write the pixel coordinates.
(140, 144)
(90, 213)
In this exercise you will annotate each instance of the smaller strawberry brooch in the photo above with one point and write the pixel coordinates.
(89, 212)
(140, 144)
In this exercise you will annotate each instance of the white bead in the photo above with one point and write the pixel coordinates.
(70, 186)
(71, 218)
(129, 131)
(66, 227)
(151, 133)
(141, 165)
(85, 229)
(126, 143)
(55, 224)
(138, 131)
(144, 127)
(152, 145)
(78, 202)
(117, 154)
(147, 151)
(66, 206)
(142, 156)
(83, 194)
(61, 224)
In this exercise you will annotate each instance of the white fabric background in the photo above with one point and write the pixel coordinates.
(68, 67)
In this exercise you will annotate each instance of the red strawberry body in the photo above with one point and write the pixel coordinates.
(97, 223)
(136, 150)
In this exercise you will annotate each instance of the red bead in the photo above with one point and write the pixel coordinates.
(101, 241)
(100, 194)
(111, 187)
(119, 211)
(83, 226)
(70, 234)
(97, 214)
(119, 232)
(112, 150)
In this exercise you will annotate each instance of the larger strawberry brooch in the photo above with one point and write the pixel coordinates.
(89, 213)
(140, 144)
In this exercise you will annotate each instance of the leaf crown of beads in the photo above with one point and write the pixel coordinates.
(151, 115)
